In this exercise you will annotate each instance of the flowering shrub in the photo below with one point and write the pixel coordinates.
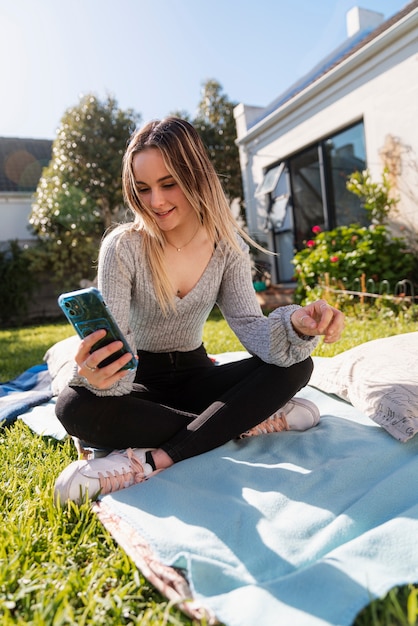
(347, 252)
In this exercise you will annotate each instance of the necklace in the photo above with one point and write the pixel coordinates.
(187, 243)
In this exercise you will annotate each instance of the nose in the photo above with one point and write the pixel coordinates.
(157, 198)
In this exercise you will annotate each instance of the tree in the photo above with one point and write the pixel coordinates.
(79, 194)
(216, 125)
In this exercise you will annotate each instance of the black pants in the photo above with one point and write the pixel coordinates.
(182, 403)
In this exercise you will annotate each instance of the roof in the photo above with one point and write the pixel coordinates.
(349, 47)
(21, 163)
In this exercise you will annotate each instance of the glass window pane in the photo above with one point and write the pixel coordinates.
(346, 154)
(278, 212)
(281, 188)
(270, 180)
(306, 194)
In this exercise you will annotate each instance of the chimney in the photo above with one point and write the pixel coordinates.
(361, 19)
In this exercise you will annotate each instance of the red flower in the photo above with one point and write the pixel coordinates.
(310, 243)
(333, 259)
(316, 229)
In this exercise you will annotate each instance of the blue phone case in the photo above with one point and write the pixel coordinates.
(86, 310)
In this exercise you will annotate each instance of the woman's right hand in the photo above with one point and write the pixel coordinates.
(88, 362)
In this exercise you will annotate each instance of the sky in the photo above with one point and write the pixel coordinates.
(153, 56)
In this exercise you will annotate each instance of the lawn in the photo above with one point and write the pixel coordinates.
(62, 567)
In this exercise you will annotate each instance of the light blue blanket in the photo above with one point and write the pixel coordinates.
(291, 528)
(299, 529)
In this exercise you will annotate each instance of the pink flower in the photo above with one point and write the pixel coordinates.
(316, 229)
(333, 259)
(310, 243)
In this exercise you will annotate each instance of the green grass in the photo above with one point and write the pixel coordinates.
(23, 347)
(62, 567)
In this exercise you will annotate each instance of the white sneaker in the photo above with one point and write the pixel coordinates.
(297, 414)
(88, 479)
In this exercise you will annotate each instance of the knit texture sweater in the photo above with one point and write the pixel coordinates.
(124, 278)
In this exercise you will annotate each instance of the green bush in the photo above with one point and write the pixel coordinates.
(16, 283)
(376, 197)
(344, 254)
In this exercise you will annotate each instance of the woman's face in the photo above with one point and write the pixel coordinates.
(159, 191)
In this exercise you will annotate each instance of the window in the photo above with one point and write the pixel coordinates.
(318, 183)
(307, 194)
(279, 212)
(345, 155)
(270, 180)
(309, 189)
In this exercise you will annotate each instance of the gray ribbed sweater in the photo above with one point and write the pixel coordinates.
(125, 282)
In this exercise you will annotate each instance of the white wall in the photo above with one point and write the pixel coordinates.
(14, 217)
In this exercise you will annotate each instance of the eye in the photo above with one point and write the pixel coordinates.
(169, 185)
(142, 190)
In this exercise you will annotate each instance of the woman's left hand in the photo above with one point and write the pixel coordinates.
(319, 318)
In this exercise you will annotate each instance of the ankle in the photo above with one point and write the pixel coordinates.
(161, 459)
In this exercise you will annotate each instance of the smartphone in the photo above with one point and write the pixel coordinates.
(86, 310)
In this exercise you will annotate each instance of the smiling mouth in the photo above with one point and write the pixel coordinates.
(164, 213)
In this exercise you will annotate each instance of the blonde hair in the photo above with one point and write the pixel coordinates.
(186, 159)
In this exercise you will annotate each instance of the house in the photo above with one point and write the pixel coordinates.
(21, 164)
(357, 109)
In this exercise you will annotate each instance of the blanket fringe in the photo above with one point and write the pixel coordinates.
(168, 580)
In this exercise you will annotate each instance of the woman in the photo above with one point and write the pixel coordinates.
(161, 277)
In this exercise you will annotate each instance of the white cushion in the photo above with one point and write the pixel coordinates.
(380, 378)
(60, 361)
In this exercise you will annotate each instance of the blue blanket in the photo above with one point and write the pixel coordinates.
(29, 398)
(290, 528)
(30, 389)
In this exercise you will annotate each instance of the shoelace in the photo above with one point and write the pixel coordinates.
(115, 480)
(276, 423)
